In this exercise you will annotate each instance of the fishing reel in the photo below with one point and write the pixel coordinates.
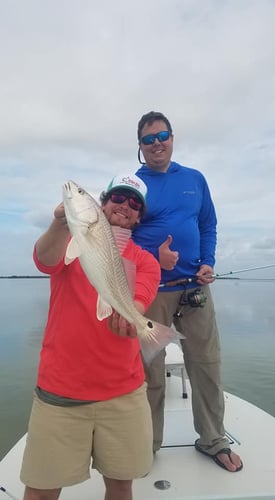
(196, 298)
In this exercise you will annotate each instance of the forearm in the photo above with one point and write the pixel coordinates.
(208, 249)
(51, 246)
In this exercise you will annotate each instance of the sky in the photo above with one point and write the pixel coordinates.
(76, 76)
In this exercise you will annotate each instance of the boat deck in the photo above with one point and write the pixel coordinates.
(179, 472)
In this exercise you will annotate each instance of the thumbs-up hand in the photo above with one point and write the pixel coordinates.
(167, 257)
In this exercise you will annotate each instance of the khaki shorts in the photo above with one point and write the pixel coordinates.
(116, 434)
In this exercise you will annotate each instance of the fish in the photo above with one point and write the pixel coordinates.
(99, 246)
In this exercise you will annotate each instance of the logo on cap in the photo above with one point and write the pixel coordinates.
(131, 182)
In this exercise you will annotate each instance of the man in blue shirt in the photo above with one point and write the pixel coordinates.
(179, 228)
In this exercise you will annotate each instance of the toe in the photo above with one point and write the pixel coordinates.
(231, 462)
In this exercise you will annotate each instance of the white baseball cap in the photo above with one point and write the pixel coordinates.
(128, 181)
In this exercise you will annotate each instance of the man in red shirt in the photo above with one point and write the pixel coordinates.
(90, 399)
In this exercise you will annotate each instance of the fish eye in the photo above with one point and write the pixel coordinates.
(80, 190)
(150, 324)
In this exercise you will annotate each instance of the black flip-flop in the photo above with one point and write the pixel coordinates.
(215, 457)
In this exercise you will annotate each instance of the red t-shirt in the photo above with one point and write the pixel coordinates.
(80, 357)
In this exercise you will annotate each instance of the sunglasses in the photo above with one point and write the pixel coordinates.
(133, 201)
(160, 136)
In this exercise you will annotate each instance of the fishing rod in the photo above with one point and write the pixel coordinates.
(8, 493)
(198, 298)
(241, 271)
(194, 279)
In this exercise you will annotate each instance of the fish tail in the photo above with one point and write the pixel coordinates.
(157, 339)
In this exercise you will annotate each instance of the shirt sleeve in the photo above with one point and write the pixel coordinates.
(47, 269)
(147, 277)
(208, 228)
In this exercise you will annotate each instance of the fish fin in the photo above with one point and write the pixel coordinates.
(130, 271)
(72, 251)
(156, 338)
(121, 236)
(103, 309)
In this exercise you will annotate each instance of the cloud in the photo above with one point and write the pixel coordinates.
(77, 76)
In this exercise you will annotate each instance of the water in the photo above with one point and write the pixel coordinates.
(246, 319)
(23, 311)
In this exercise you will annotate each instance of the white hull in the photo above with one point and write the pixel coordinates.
(189, 474)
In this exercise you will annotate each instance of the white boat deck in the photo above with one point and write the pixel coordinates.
(179, 472)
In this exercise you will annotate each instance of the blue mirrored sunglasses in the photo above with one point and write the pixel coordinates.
(160, 136)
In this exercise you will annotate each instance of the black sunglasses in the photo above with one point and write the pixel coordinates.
(160, 136)
(134, 202)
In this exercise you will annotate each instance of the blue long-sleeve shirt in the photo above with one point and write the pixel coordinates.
(178, 203)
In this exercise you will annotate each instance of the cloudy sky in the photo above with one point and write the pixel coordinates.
(77, 75)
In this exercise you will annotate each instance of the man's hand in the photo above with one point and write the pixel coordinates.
(120, 326)
(205, 275)
(59, 215)
(167, 257)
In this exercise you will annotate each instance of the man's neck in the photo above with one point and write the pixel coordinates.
(159, 168)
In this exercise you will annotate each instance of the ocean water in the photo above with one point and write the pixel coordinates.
(246, 319)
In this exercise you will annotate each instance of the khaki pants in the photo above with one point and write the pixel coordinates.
(201, 350)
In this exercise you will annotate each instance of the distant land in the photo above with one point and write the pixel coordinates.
(16, 276)
(46, 276)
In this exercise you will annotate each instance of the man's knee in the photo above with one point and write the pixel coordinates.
(116, 486)
(35, 494)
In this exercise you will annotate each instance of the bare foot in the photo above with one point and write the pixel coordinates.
(229, 461)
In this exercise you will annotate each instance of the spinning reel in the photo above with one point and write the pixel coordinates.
(197, 298)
